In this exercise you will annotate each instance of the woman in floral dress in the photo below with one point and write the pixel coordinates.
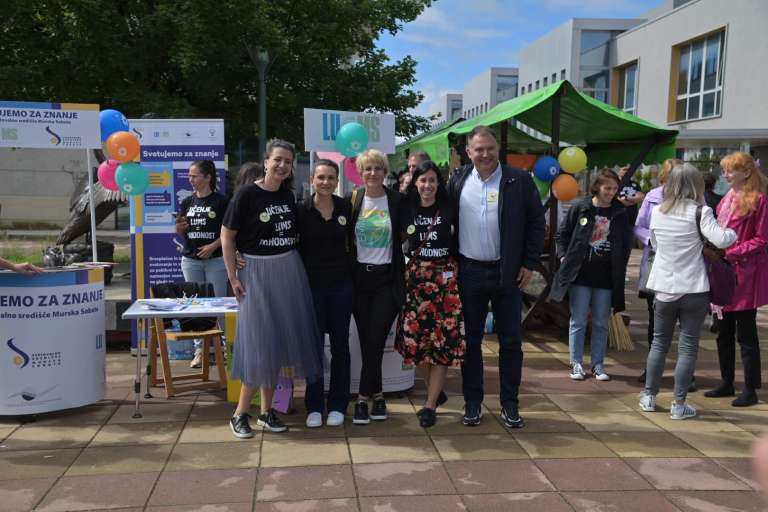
(431, 325)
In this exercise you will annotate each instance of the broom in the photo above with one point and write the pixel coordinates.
(618, 335)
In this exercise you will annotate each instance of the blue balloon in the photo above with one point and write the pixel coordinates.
(351, 139)
(132, 178)
(546, 168)
(112, 121)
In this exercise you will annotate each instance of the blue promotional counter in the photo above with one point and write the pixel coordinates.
(52, 347)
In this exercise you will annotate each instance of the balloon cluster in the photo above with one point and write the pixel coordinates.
(547, 173)
(121, 172)
(351, 140)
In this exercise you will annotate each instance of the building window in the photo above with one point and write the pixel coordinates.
(562, 74)
(554, 77)
(506, 88)
(455, 109)
(530, 87)
(537, 85)
(700, 78)
(594, 63)
(486, 107)
(545, 81)
(628, 88)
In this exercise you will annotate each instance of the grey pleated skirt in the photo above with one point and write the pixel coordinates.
(276, 327)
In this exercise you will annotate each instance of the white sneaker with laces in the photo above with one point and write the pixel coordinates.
(600, 374)
(314, 420)
(335, 419)
(681, 411)
(647, 402)
(577, 372)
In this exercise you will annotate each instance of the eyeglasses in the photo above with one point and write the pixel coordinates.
(373, 169)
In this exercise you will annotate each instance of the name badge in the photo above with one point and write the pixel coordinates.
(342, 220)
(583, 221)
(410, 229)
(211, 214)
(493, 196)
(264, 217)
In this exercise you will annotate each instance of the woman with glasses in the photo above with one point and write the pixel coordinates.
(378, 276)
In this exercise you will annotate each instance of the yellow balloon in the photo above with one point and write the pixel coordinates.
(572, 159)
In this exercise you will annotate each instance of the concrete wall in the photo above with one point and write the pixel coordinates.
(39, 184)
(548, 54)
(745, 73)
(480, 91)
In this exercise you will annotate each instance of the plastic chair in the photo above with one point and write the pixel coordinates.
(205, 328)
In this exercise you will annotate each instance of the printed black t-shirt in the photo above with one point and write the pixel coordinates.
(434, 244)
(204, 216)
(595, 271)
(265, 221)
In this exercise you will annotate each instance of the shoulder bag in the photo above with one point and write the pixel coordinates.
(722, 277)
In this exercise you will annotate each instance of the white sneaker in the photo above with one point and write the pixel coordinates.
(600, 374)
(335, 419)
(647, 402)
(577, 372)
(314, 420)
(681, 411)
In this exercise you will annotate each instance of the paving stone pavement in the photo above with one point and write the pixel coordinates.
(585, 447)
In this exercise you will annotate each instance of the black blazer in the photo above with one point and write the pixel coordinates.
(521, 219)
(395, 201)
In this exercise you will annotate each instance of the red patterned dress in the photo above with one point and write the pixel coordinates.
(431, 324)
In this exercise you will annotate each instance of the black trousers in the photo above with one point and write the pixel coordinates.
(374, 310)
(739, 326)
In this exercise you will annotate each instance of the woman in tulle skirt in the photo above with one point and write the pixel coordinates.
(276, 327)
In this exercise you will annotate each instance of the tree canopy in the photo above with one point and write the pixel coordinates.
(189, 58)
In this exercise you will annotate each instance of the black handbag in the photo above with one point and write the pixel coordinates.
(722, 276)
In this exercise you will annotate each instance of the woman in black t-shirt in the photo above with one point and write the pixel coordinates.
(593, 243)
(276, 326)
(199, 222)
(430, 329)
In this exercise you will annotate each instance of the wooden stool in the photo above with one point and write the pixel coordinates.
(159, 339)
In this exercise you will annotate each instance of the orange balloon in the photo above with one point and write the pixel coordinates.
(565, 187)
(123, 146)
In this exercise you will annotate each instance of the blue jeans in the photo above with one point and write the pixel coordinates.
(479, 284)
(582, 299)
(211, 271)
(333, 308)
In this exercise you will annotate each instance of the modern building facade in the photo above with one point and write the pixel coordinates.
(488, 89)
(448, 107)
(696, 66)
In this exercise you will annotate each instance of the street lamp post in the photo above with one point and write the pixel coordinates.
(260, 58)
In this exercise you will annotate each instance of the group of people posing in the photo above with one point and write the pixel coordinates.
(433, 258)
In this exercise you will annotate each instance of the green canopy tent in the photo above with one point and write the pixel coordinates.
(561, 113)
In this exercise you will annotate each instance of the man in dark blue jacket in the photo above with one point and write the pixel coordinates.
(501, 236)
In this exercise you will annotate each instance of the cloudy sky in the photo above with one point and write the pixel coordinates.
(454, 40)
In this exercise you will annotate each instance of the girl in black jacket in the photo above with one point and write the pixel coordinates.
(594, 243)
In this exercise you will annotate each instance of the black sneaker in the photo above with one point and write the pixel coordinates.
(271, 422)
(361, 414)
(240, 426)
(427, 418)
(472, 414)
(379, 409)
(441, 399)
(511, 417)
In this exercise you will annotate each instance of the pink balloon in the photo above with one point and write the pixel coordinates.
(106, 174)
(350, 171)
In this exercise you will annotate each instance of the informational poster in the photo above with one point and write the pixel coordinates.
(26, 124)
(321, 127)
(168, 148)
(52, 351)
